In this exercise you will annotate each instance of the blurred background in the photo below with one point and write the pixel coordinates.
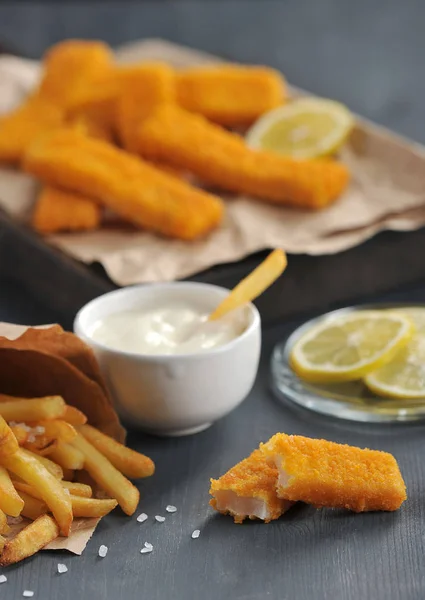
(367, 53)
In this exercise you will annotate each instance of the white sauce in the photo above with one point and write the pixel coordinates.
(167, 330)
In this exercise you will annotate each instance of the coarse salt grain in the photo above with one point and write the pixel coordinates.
(39, 430)
(28, 593)
(62, 568)
(103, 551)
(31, 438)
(171, 509)
(148, 548)
(3, 578)
(196, 534)
(159, 518)
(142, 518)
(67, 491)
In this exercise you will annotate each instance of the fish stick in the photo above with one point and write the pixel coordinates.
(188, 141)
(72, 66)
(60, 210)
(230, 95)
(141, 89)
(20, 127)
(248, 490)
(124, 183)
(324, 473)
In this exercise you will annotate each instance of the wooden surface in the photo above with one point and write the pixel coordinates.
(306, 554)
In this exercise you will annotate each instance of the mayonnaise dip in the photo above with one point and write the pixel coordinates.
(178, 329)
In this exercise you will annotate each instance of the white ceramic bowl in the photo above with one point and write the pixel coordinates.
(174, 394)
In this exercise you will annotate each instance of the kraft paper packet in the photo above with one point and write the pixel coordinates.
(82, 529)
(387, 192)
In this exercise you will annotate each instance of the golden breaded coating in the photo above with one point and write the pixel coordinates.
(141, 89)
(20, 127)
(127, 185)
(95, 120)
(230, 95)
(58, 210)
(249, 486)
(324, 473)
(70, 67)
(186, 140)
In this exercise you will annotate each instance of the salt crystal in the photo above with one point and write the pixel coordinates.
(39, 430)
(142, 518)
(62, 568)
(159, 518)
(3, 578)
(196, 534)
(103, 551)
(31, 438)
(171, 509)
(148, 548)
(67, 491)
(28, 593)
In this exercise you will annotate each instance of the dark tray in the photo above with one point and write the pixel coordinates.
(311, 283)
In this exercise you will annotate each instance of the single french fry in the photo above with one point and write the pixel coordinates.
(3, 521)
(28, 541)
(68, 457)
(2, 543)
(91, 507)
(52, 467)
(78, 489)
(253, 285)
(33, 507)
(10, 502)
(107, 476)
(33, 409)
(21, 434)
(8, 442)
(130, 463)
(60, 210)
(73, 416)
(32, 471)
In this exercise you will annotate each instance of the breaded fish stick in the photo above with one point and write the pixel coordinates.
(336, 475)
(70, 67)
(142, 88)
(248, 490)
(130, 187)
(186, 140)
(230, 95)
(58, 210)
(20, 127)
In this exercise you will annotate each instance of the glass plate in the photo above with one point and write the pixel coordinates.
(352, 400)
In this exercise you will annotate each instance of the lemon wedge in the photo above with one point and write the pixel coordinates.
(404, 375)
(304, 128)
(348, 347)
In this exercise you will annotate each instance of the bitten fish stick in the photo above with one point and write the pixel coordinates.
(230, 95)
(336, 475)
(142, 88)
(59, 210)
(248, 490)
(186, 140)
(130, 187)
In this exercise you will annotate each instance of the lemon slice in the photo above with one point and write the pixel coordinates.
(404, 375)
(305, 128)
(348, 347)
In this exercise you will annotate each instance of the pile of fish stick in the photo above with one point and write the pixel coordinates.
(131, 139)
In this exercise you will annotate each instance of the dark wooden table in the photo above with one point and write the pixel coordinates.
(369, 55)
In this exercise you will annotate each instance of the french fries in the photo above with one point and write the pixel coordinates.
(73, 416)
(28, 541)
(31, 470)
(33, 507)
(51, 407)
(10, 502)
(52, 467)
(78, 489)
(130, 463)
(8, 442)
(91, 507)
(68, 457)
(107, 476)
